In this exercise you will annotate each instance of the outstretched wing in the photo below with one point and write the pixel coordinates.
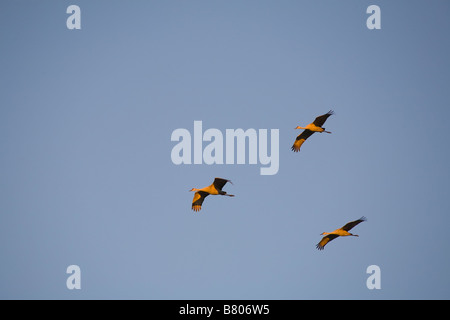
(320, 120)
(325, 240)
(199, 197)
(300, 139)
(219, 183)
(350, 225)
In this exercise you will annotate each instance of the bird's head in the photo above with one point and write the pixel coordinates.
(193, 189)
(298, 127)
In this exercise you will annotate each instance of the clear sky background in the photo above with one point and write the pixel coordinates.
(86, 176)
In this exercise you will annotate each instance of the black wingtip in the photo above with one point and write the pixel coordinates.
(223, 179)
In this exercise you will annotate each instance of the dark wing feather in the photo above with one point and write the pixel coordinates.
(300, 139)
(305, 135)
(325, 240)
(219, 183)
(320, 120)
(199, 197)
(350, 225)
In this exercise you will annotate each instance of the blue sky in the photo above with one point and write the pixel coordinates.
(86, 176)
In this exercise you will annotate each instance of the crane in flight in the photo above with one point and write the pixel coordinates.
(309, 130)
(341, 232)
(214, 189)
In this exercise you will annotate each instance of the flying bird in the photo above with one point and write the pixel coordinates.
(309, 130)
(344, 231)
(214, 189)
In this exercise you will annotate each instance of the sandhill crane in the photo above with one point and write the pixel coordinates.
(344, 231)
(309, 130)
(215, 189)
